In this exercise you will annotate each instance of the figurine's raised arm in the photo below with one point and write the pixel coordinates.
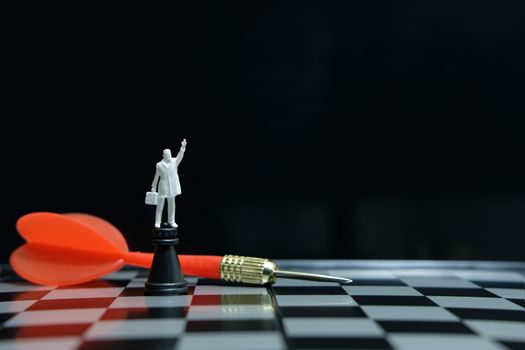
(155, 180)
(180, 155)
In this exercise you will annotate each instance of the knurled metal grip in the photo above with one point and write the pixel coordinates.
(246, 269)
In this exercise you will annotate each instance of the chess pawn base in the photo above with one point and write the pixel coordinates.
(165, 276)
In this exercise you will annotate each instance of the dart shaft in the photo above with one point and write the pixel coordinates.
(311, 276)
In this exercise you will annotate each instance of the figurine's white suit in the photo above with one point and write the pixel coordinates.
(167, 179)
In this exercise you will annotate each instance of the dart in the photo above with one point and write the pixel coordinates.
(73, 248)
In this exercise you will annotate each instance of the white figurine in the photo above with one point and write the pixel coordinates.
(167, 179)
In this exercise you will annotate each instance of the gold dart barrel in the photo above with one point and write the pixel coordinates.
(250, 270)
(246, 269)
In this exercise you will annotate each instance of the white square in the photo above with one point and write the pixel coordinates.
(331, 327)
(151, 301)
(475, 303)
(501, 330)
(49, 317)
(409, 313)
(432, 341)
(493, 276)
(438, 282)
(231, 341)
(423, 273)
(508, 293)
(7, 307)
(83, 293)
(137, 282)
(315, 300)
(231, 312)
(364, 274)
(136, 329)
(10, 287)
(381, 290)
(58, 343)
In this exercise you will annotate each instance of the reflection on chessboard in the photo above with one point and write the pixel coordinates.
(382, 309)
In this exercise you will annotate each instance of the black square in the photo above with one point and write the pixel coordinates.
(231, 325)
(97, 284)
(393, 300)
(520, 302)
(132, 292)
(63, 330)
(321, 311)
(456, 292)
(513, 345)
(132, 344)
(17, 296)
(339, 343)
(5, 317)
(145, 313)
(488, 314)
(424, 327)
(82, 303)
(500, 284)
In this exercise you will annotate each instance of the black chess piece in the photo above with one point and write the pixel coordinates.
(165, 276)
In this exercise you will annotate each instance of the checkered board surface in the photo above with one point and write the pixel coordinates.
(409, 308)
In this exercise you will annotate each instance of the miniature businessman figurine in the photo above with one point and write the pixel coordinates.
(167, 179)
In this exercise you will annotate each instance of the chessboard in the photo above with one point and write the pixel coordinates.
(389, 305)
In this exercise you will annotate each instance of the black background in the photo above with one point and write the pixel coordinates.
(316, 129)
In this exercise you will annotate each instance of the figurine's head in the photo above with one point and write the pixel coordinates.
(166, 154)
